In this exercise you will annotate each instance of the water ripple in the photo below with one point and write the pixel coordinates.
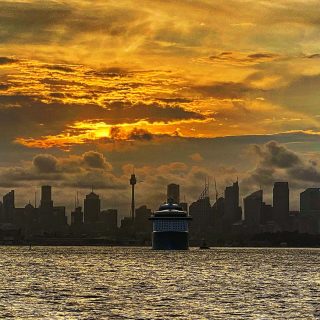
(138, 283)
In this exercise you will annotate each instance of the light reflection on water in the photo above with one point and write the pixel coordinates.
(138, 283)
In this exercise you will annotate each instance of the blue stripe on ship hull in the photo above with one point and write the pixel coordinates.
(170, 240)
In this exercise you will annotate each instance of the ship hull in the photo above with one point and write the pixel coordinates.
(170, 240)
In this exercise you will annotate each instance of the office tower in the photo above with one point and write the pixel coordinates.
(252, 210)
(133, 182)
(77, 217)
(8, 206)
(310, 201)
(110, 219)
(310, 211)
(142, 222)
(202, 218)
(173, 192)
(91, 208)
(281, 203)
(232, 210)
(266, 213)
(46, 197)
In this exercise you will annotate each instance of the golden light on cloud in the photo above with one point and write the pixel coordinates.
(126, 68)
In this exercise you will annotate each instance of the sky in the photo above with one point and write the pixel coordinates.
(178, 90)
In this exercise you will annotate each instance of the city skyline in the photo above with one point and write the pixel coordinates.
(102, 87)
(227, 219)
(172, 192)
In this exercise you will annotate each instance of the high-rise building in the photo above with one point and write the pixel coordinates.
(310, 211)
(202, 218)
(8, 206)
(110, 219)
(232, 210)
(281, 203)
(142, 222)
(310, 201)
(252, 210)
(173, 192)
(91, 208)
(46, 197)
(77, 217)
(266, 213)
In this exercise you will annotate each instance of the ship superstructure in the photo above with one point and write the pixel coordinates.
(170, 227)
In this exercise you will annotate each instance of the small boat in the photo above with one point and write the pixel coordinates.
(204, 245)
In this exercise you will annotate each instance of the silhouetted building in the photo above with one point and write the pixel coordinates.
(184, 206)
(252, 210)
(281, 203)
(110, 220)
(232, 210)
(310, 211)
(91, 208)
(142, 222)
(173, 192)
(202, 218)
(8, 206)
(310, 201)
(77, 217)
(59, 217)
(266, 213)
(133, 182)
(46, 197)
(218, 213)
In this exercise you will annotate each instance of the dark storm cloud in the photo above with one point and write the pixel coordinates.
(98, 180)
(90, 168)
(45, 163)
(273, 154)
(96, 160)
(39, 118)
(277, 162)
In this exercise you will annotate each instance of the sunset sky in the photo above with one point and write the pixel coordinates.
(178, 89)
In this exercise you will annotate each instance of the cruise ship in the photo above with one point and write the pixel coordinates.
(170, 227)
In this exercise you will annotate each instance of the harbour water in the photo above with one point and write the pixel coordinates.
(138, 283)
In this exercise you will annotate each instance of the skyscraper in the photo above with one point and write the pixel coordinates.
(232, 210)
(110, 220)
(310, 210)
(77, 217)
(253, 206)
(173, 192)
(46, 197)
(281, 203)
(8, 206)
(91, 208)
(310, 201)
